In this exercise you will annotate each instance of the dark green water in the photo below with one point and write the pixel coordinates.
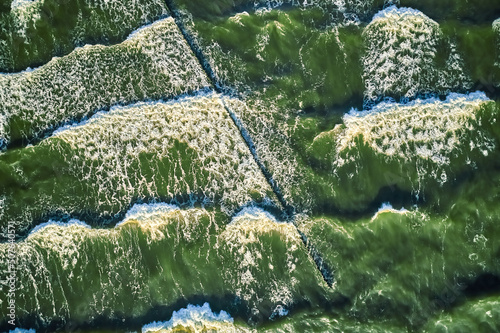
(250, 166)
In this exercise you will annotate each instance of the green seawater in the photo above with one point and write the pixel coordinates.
(152, 63)
(33, 32)
(249, 166)
(144, 152)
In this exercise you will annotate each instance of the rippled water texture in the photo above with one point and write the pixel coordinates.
(249, 166)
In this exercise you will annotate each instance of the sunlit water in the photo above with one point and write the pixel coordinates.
(250, 166)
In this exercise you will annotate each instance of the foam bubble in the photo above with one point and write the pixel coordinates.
(250, 222)
(451, 98)
(280, 311)
(144, 30)
(121, 109)
(238, 17)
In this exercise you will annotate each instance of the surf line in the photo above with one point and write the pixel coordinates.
(220, 89)
(289, 210)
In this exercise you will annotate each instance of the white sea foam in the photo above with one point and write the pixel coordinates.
(17, 4)
(140, 212)
(243, 239)
(139, 32)
(402, 45)
(496, 25)
(280, 311)
(393, 12)
(84, 121)
(148, 215)
(3, 200)
(253, 214)
(432, 125)
(62, 238)
(108, 144)
(153, 218)
(65, 88)
(251, 222)
(452, 98)
(4, 135)
(57, 224)
(386, 207)
(193, 318)
(123, 109)
(237, 18)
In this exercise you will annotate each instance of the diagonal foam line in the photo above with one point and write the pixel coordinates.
(219, 88)
(194, 47)
(289, 210)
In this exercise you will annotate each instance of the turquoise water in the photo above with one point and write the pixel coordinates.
(249, 166)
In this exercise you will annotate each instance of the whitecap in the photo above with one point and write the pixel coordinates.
(402, 46)
(51, 223)
(386, 207)
(140, 212)
(253, 213)
(21, 3)
(496, 25)
(145, 28)
(192, 316)
(393, 11)
(451, 98)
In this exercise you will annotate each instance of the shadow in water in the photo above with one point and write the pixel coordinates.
(232, 304)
